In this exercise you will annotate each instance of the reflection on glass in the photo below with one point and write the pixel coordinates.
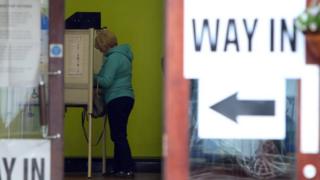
(243, 159)
(19, 112)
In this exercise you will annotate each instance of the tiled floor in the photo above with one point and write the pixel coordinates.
(138, 176)
(157, 176)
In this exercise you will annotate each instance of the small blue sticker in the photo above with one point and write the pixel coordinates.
(56, 50)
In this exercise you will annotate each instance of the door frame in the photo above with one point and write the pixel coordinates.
(176, 126)
(56, 89)
(306, 159)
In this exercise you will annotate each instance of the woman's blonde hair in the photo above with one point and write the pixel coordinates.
(105, 39)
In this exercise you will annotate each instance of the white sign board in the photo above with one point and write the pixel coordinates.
(242, 52)
(25, 159)
(241, 30)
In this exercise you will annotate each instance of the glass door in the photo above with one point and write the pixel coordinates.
(31, 89)
(23, 124)
(294, 155)
(22, 60)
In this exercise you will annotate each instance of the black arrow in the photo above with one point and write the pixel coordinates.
(231, 107)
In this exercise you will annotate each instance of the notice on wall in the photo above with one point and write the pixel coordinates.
(25, 159)
(19, 42)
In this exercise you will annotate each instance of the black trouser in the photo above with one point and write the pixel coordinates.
(118, 111)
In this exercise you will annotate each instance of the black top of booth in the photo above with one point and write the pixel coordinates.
(84, 20)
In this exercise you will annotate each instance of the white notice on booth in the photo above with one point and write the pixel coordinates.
(19, 42)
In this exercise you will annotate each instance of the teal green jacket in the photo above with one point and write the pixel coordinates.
(116, 72)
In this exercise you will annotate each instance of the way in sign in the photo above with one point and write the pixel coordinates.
(226, 31)
(26, 168)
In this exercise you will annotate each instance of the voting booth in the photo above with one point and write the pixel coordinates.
(82, 60)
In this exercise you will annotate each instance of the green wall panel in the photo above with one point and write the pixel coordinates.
(139, 23)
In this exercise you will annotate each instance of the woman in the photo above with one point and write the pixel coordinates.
(115, 79)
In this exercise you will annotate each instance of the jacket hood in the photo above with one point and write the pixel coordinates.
(123, 49)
